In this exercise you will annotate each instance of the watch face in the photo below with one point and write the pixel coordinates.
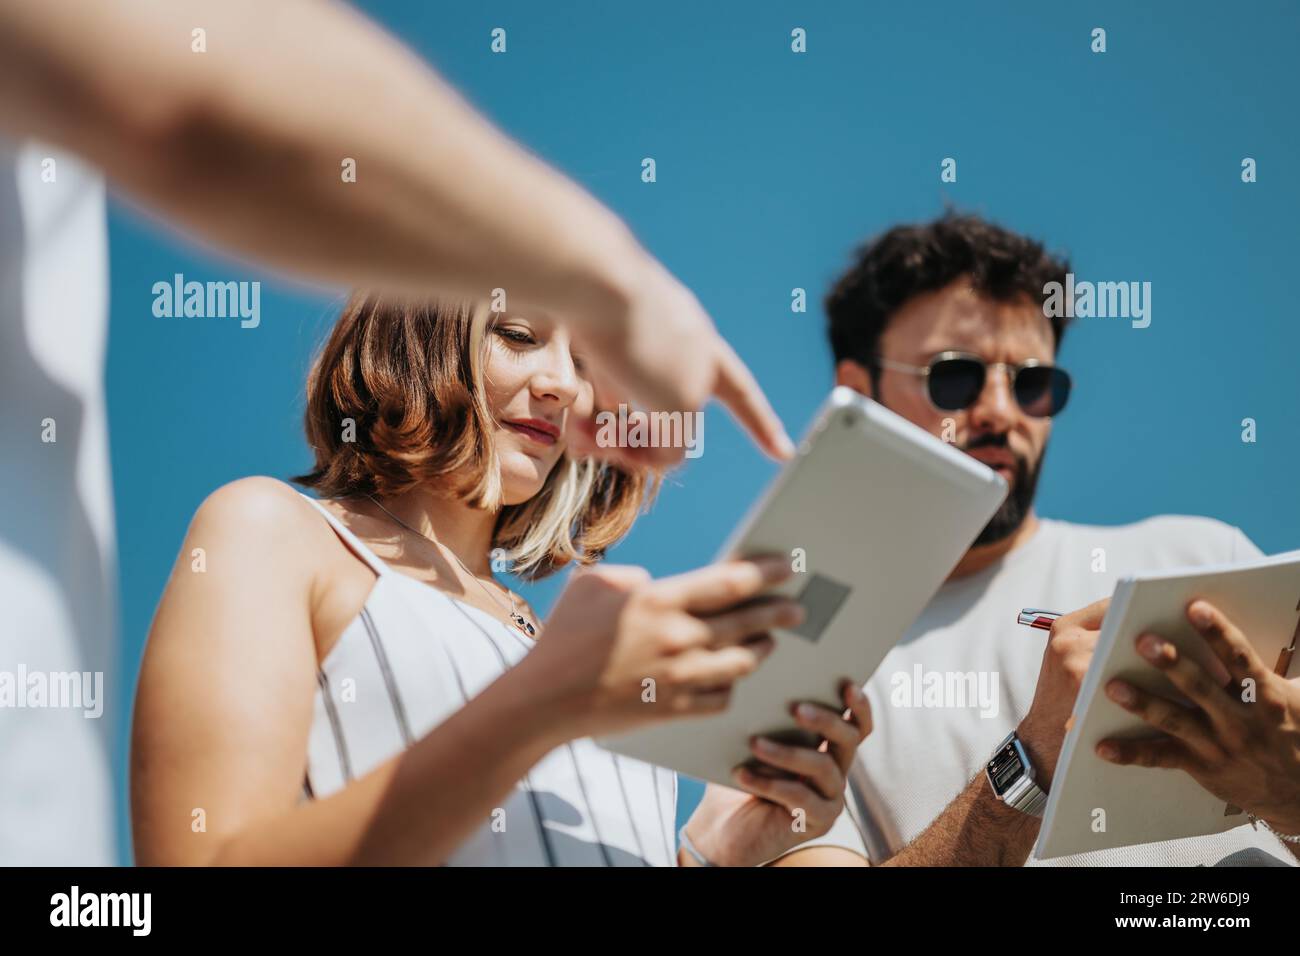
(1005, 769)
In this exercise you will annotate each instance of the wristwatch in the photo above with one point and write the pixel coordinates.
(1011, 775)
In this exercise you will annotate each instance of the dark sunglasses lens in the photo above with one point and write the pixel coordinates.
(1042, 390)
(955, 383)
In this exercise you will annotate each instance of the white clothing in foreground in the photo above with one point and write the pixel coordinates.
(57, 553)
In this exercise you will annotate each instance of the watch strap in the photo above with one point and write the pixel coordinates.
(1033, 801)
(1029, 797)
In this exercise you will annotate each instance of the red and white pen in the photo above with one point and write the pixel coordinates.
(1037, 617)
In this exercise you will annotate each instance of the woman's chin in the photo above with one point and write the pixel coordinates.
(522, 476)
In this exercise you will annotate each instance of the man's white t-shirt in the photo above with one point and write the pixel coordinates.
(918, 758)
(56, 524)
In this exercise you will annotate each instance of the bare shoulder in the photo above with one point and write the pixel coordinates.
(257, 498)
(259, 514)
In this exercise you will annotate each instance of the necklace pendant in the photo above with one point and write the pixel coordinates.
(522, 623)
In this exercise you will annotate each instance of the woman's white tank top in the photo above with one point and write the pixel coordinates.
(412, 657)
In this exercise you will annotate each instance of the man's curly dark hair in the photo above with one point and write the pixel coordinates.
(910, 260)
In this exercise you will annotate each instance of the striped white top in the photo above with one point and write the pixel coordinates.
(412, 657)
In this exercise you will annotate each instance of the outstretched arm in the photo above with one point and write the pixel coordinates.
(244, 144)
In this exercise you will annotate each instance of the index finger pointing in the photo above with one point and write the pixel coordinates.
(737, 389)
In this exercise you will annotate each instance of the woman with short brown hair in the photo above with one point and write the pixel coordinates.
(342, 680)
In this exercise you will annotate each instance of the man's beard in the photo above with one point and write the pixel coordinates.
(1015, 509)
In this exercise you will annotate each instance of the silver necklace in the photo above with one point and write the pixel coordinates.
(517, 619)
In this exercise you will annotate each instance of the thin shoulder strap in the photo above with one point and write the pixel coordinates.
(350, 539)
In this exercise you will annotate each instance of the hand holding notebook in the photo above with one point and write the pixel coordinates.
(1209, 722)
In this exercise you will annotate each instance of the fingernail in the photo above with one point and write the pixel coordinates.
(763, 744)
(1107, 751)
(774, 562)
(1150, 647)
(807, 711)
(792, 615)
(1120, 692)
(1199, 615)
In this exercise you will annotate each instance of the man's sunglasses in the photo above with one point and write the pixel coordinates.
(956, 379)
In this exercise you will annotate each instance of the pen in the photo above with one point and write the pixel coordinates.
(1037, 617)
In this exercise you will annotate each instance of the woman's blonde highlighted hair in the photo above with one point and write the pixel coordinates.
(395, 400)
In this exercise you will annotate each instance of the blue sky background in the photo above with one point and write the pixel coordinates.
(772, 166)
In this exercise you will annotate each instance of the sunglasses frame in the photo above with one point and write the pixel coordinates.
(1011, 370)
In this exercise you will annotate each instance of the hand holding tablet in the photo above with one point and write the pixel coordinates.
(872, 514)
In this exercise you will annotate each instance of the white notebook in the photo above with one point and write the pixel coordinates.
(1096, 805)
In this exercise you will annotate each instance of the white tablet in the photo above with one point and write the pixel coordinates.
(874, 513)
(1097, 805)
